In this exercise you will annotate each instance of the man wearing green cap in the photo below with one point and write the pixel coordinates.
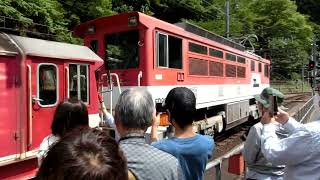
(257, 165)
(299, 152)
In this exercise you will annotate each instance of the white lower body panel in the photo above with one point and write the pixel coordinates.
(207, 95)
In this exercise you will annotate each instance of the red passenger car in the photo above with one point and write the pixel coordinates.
(35, 75)
(144, 51)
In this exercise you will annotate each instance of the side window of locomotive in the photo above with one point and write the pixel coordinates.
(169, 51)
(122, 50)
(266, 70)
(231, 57)
(253, 66)
(78, 82)
(259, 67)
(241, 59)
(162, 50)
(198, 48)
(216, 53)
(47, 84)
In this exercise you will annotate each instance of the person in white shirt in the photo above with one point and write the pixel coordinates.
(69, 114)
(257, 167)
(299, 152)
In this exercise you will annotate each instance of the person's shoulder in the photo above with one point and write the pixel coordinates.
(50, 139)
(167, 162)
(162, 152)
(206, 138)
(312, 128)
(256, 129)
(163, 144)
(313, 125)
(258, 125)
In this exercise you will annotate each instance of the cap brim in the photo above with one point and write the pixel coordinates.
(262, 101)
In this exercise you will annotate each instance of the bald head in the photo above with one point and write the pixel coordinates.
(135, 109)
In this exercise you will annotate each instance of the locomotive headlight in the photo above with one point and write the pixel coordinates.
(91, 30)
(132, 21)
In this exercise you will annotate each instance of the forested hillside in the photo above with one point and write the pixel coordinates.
(282, 30)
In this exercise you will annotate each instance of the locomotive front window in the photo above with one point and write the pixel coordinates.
(169, 51)
(47, 84)
(78, 74)
(122, 50)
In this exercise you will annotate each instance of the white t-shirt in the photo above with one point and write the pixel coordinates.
(46, 143)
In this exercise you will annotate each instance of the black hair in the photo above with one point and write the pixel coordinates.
(84, 154)
(181, 103)
(69, 114)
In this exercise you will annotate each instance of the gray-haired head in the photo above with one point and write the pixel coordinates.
(135, 109)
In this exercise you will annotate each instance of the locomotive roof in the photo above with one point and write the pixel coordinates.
(81, 29)
(209, 35)
(44, 48)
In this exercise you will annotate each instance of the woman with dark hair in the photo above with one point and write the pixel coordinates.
(69, 114)
(84, 154)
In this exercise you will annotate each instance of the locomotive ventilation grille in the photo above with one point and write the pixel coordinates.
(216, 69)
(230, 70)
(198, 67)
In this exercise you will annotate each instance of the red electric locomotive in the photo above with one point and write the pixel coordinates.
(143, 51)
(34, 76)
(140, 51)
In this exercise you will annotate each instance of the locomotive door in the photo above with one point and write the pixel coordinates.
(8, 106)
(47, 91)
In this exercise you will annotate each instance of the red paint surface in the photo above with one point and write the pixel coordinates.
(20, 170)
(147, 53)
(8, 106)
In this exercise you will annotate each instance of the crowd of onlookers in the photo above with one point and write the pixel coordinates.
(278, 147)
(74, 151)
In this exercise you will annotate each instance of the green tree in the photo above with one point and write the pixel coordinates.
(283, 33)
(39, 16)
(79, 11)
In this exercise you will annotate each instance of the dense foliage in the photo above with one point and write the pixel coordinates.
(284, 28)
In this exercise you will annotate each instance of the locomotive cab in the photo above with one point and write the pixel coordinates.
(35, 76)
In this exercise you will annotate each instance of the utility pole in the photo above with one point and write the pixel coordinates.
(227, 18)
(302, 77)
(314, 59)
